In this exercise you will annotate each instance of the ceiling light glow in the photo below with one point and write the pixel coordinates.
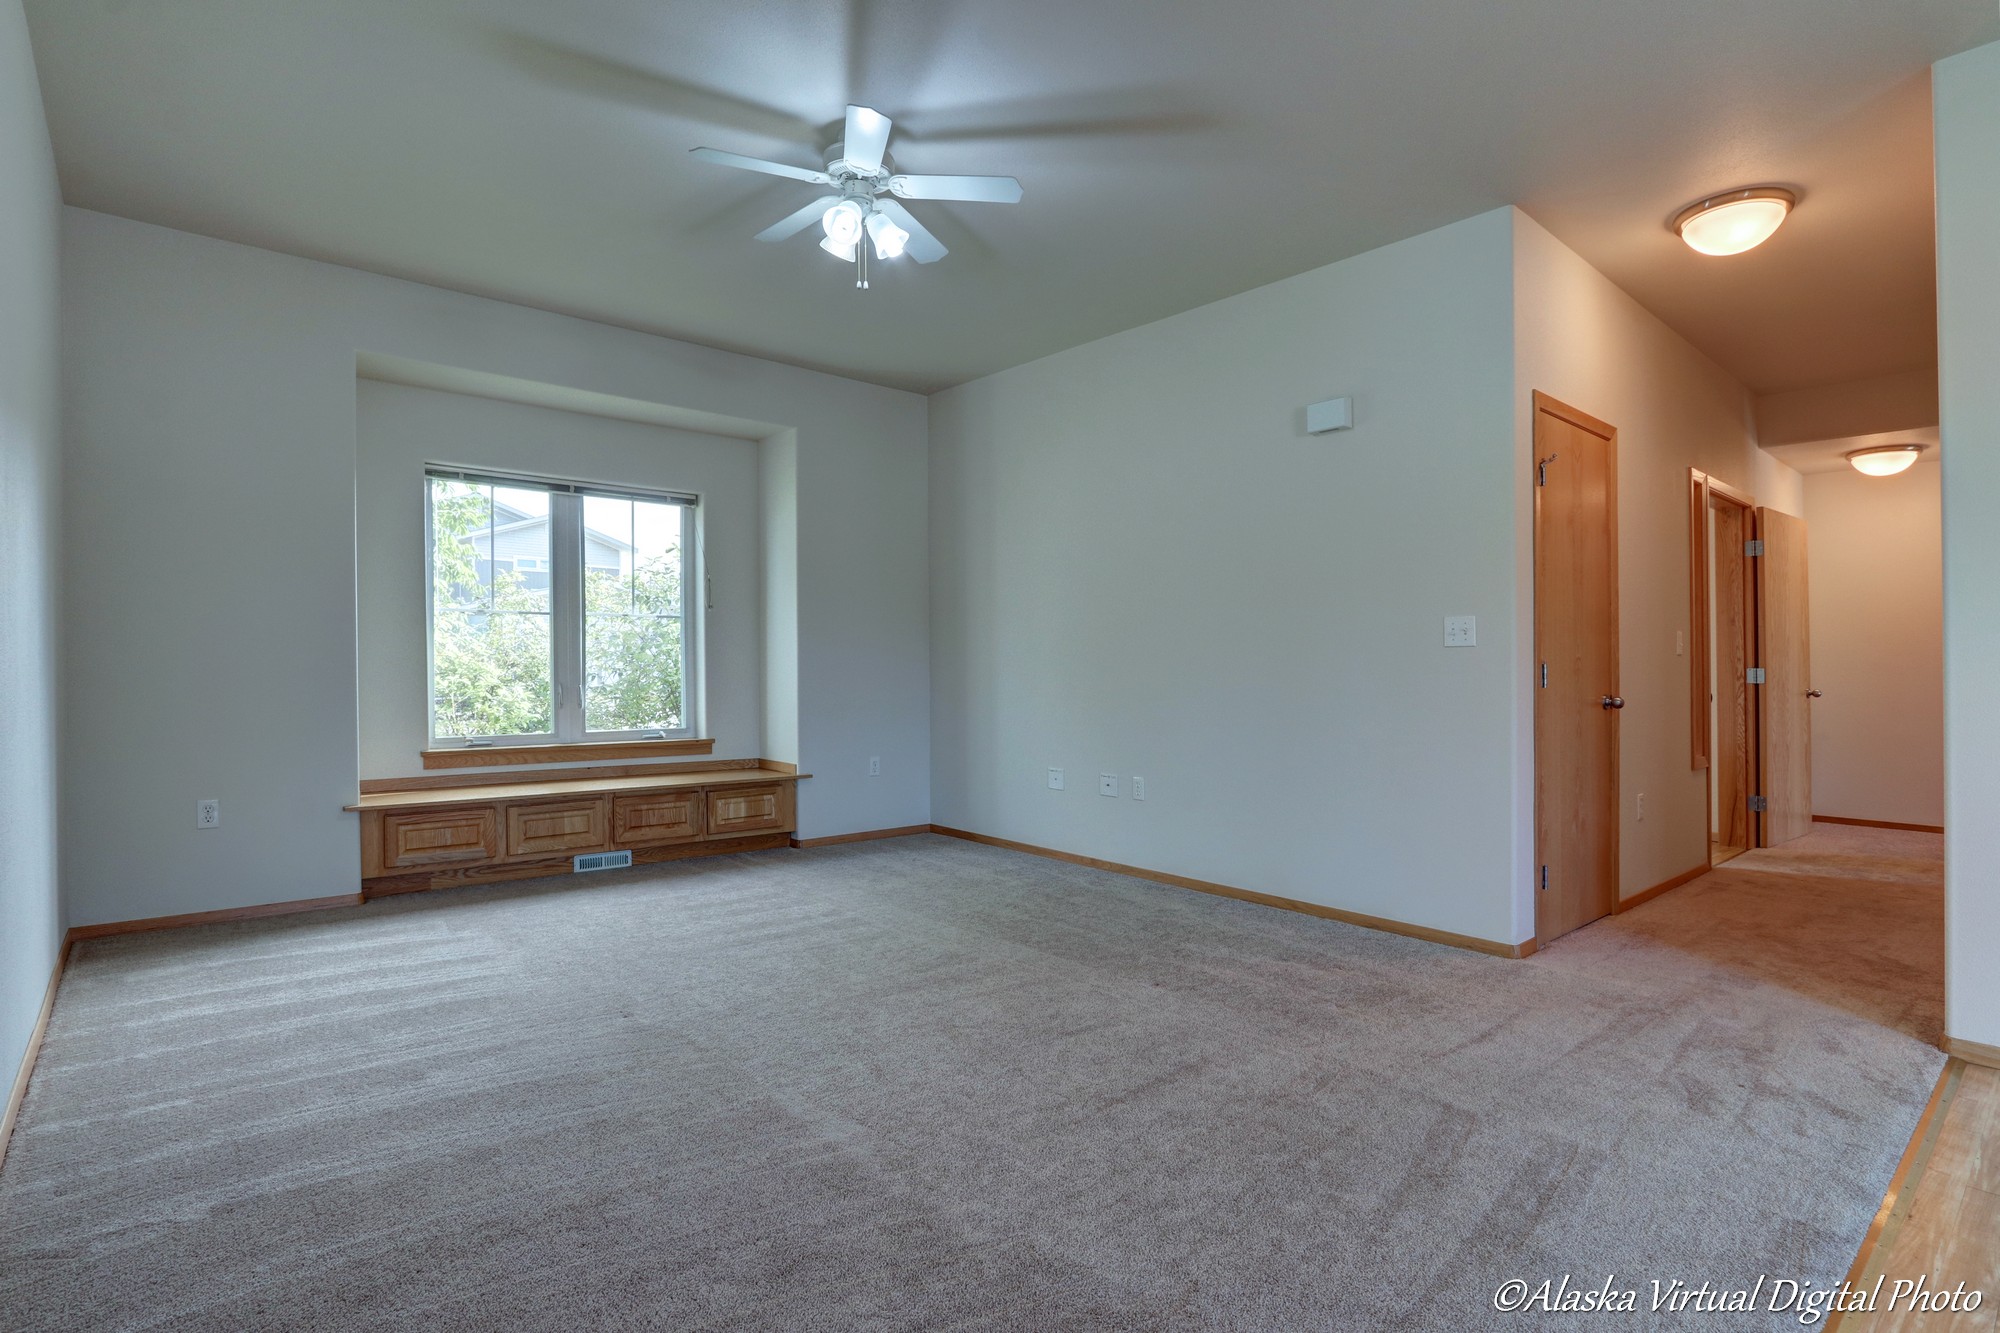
(888, 237)
(843, 223)
(841, 250)
(1885, 461)
(1729, 224)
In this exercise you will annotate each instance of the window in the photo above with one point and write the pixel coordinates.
(558, 612)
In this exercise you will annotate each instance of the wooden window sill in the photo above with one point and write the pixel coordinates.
(493, 756)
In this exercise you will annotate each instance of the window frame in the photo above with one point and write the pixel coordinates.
(567, 560)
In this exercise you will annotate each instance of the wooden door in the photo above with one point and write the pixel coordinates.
(1733, 770)
(1784, 709)
(1576, 685)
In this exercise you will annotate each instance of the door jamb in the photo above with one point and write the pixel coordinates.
(1704, 490)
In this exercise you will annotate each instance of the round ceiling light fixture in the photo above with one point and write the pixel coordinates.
(1885, 460)
(1729, 224)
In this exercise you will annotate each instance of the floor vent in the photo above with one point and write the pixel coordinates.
(601, 861)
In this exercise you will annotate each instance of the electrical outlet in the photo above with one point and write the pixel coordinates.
(208, 814)
(1461, 631)
(874, 765)
(1107, 784)
(1055, 779)
(1138, 789)
(1642, 807)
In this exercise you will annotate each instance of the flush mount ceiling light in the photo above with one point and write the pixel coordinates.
(1729, 224)
(866, 196)
(1885, 461)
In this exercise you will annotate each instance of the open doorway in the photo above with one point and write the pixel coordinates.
(1752, 673)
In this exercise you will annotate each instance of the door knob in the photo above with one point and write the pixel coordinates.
(1613, 701)
(1813, 694)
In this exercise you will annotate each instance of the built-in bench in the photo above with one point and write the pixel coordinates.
(424, 833)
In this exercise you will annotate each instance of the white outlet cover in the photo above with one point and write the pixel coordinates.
(1461, 631)
(1055, 779)
(1138, 789)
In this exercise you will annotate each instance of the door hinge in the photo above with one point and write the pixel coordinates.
(1753, 676)
(1758, 805)
(1545, 879)
(1754, 547)
(1545, 675)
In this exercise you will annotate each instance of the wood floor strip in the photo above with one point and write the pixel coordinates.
(19, 1092)
(1381, 923)
(1903, 1184)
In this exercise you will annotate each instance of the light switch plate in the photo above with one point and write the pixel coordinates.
(1461, 631)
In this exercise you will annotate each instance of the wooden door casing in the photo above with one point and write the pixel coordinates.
(1784, 712)
(1734, 768)
(1576, 642)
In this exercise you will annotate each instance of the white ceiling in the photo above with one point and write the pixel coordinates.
(1173, 152)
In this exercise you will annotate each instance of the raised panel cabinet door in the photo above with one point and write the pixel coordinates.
(542, 828)
(749, 809)
(650, 818)
(430, 837)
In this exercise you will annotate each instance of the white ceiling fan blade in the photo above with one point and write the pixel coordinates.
(742, 163)
(970, 189)
(922, 246)
(799, 221)
(866, 136)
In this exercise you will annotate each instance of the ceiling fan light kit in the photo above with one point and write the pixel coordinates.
(867, 196)
(1736, 221)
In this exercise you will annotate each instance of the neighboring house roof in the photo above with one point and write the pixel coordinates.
(540, 520)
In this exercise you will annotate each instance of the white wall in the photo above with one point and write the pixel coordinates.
(402, 428)
(1584, 341)
(209, 589)
(1967, 92)
(30, 207)
(1142, 565)
(1876, 583)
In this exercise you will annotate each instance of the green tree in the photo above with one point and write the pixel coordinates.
(490, 647)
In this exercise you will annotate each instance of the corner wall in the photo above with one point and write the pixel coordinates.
(1581, 339)
(1142, 565)
(30, 209)
(209, 589)
(1875, 579)
(1966, 89)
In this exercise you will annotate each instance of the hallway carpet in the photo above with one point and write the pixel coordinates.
(923, 1084)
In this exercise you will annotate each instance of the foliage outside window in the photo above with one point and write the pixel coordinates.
(557, 613)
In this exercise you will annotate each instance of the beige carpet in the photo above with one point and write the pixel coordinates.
(923, 1084)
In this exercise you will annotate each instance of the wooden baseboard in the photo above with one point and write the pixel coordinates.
(870, 836)
(1647, 895)
(1908, 1171)
(19, 1092)
(1973, 1052)
(104, 928)
(1385, 924)
(1879, 823)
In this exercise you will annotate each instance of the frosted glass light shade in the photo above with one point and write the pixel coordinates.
(1729, 224)
(1886, 461)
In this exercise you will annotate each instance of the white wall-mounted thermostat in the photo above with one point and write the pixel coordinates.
(1333, 414)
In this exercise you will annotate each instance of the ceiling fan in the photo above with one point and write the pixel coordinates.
(866, 196)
